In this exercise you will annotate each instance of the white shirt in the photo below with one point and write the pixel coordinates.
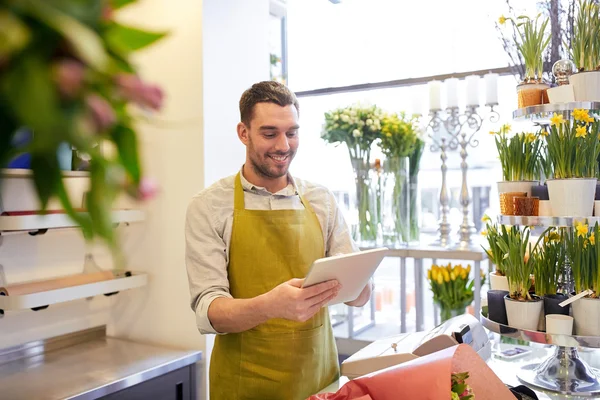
(208, 233)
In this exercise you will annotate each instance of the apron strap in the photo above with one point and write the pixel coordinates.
(238, 193)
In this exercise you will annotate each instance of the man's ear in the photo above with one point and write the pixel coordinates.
(243, 132)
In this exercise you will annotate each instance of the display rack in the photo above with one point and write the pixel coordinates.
(37, 222)
(546, 222)
(544, 112)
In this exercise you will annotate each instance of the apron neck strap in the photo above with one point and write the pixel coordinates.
(238, 196)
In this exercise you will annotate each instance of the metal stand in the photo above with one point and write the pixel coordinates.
(444, 229)
(564, 372)
(456, 126)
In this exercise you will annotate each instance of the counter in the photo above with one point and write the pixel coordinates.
(100, 366)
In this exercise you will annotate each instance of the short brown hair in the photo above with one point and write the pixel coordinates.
(265, 92)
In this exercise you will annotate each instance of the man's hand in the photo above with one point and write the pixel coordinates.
(363, 297)
(290, 301)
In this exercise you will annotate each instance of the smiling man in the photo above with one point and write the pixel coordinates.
(250, 240)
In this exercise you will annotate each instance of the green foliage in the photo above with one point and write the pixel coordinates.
(519, 155)
(531, 44)
(398, 135)
(548, 260)
(585, 50)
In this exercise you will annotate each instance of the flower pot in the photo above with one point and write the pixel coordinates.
(586, 85)
(597, 195)
(551, 306)
(597, 208)
(561, 94)
(526, 206)
(496, 306)
(545, 209)
(517, 186)
(498, 282)
(586, 313)
(540, 191)
(572, 197)
(531, 94)
(507, 202)
(523, 314)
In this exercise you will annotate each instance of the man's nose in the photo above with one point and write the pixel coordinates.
(282, 143)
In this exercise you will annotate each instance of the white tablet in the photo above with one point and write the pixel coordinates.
(352, 271)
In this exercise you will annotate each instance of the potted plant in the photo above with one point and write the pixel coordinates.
(532, 42)
(358, 127)
(585, 52)
(492, 233)
(573, 149)
(523, 309)
(520, 159)
(452, 288)
(546, 169)
(583, 251)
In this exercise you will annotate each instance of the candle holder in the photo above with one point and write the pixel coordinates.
(460, 129)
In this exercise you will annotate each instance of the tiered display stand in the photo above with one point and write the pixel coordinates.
(563, 372)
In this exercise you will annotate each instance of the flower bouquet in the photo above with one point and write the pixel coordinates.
(452, 289)
(66, 77)
(414, 160)
(398, 140)
(358, 127)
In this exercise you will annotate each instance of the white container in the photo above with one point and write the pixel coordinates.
(516, 186)
(545, 208)
(558, 324)
(498, 282)
(524, 314)
(561, 94)
(586, 313)
(586, 85)
(597, 208)
(572, 197)
(18, 194)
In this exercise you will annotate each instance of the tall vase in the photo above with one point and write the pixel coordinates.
(395, 205)
(447, 312)
(414, 208)
(365, 229)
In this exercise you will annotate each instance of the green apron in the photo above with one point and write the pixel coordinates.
(278, 359)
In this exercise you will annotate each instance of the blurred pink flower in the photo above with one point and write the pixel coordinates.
(107, 13)
(69, 77)
(102, 113)
(147, 189)
(134, 89)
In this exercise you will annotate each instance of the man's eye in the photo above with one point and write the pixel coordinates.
(269, 135)
(292, 133)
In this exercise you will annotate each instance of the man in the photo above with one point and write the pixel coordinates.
(250, 240)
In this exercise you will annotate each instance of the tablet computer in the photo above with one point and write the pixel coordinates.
(352, 271)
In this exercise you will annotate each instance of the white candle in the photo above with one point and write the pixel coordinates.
(451, 85)
(491, 89)
(472, 90)
(435, 94)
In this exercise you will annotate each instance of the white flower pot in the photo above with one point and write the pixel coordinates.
(561, 94)
(586, 85)
(516, 186)
(572, 197)
(586, 313)
(597, 208)
(18, 194)
(524, 314)
(498, 282)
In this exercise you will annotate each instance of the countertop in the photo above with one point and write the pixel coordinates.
(89, 370)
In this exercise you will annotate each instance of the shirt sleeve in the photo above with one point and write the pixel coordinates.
(206, 261)
(339, 240)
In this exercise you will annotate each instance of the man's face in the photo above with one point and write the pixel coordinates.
(271, 139)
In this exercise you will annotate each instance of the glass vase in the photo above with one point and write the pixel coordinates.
(414, 208)
(365, 229)
(447, 312)
(395, 204)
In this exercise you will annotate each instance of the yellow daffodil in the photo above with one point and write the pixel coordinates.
(585, 243)
(463, 274)
(530, 137)
(580, 115)
(502, 20)
(446, 275)
(468, 268)
(592, 239)
(582, 229)
(484, 232)
(544, 133)
(452, 276)
(553, 237)
(557, 119)
(589, 119)
(580, 131)
(440, 279)
(428, 274)
(506, 128)
(486, 218)
(492, 132)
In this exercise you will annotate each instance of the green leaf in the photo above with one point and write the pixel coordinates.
(14, 34)
(126, 141)
(46, 176)
(126, 39)
(116, 4)
(85, 42)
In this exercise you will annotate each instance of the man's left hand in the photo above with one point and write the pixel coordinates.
(363, 297)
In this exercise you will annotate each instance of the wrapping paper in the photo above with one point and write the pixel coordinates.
(425, 378)
(53, 284)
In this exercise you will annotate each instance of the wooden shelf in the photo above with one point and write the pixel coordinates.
(43, 299)
(53, 221)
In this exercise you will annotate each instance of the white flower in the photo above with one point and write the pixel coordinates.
(376, 122)
(356, 133)
(353, 113)
(336, 117)
(369, 122)
(361, 123)
(345, 118)
(372, 128)
(335, 126)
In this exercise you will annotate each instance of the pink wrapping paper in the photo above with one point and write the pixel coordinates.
(425, 378)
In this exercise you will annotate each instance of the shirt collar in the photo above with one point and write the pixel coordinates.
(290, 190)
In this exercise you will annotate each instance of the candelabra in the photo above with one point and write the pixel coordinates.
(460, 129)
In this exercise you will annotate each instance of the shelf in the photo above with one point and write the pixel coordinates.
(592, 342)
(546, 222)
(21, 172)
(543, 113)
(43, 299)
(53, 221)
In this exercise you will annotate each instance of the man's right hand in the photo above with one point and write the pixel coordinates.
(293, 302)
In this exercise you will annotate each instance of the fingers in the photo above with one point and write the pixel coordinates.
(319, 288)
(322, 296)
(296, 282)
(316, 307)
